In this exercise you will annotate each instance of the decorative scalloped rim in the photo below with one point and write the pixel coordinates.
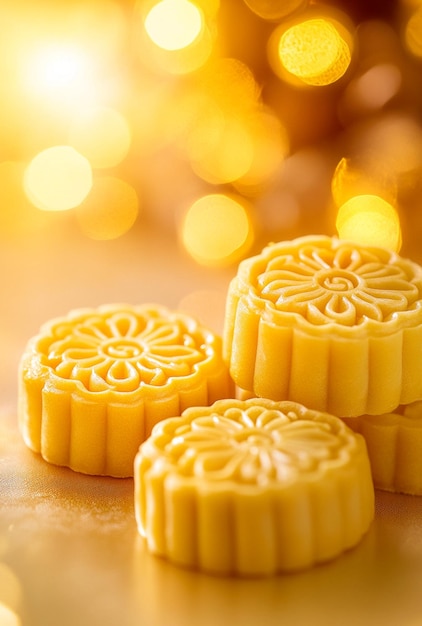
(228, 528)
(52, 409)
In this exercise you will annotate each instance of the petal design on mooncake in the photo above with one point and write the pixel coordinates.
(330, 324)
(252, 487)
(93, 384)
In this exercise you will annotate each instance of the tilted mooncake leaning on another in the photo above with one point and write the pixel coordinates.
(93, 384)
(331, 324)
(394, 443)
(252, 488)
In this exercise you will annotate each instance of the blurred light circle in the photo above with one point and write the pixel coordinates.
(110, 210)
(315, 52)
(58, 179)
(102, 135)
(173, 24)
(365, 174)
(217, 230)
(275, 9)
(369, 220)
(413, 33)
(8, 617)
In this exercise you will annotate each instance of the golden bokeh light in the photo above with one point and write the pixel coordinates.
(110, 210)
(369, 220)
(413, 33)
(60, 71)
(102, 135)
(174, 24)
(314, 51)
(275, 9)
(374, 88)
(17, 214)
(230, 150)
(217, 230)
(363, 176)
(8, 617)
(174, 37)
(58, 179)
(270, 148)
(230, 137)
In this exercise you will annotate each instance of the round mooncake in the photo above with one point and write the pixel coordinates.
(93, 384)
(252, 488)
(327, 323)
(394, 443)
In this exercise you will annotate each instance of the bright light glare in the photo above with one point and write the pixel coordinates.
(369, 220)
(173, 24)
(217, 230)
(59, 70)
(110, 210)
(102, 135)
(314, 52)
(8, 617)
(58, 179)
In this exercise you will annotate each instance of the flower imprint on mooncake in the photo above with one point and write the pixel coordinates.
(342, 284)
(122, 350)
(252, 487)
(94, 383)
(330, 324)
(256, 444)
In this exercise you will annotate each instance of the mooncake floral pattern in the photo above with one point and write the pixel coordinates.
(338, 283)
(257, 442)
(123, 350)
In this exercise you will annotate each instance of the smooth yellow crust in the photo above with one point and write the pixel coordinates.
(93, 384)
(252, 488)
(333, 325)
(394, 442)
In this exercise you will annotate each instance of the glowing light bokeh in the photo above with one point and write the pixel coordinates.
(58, 179)
(230, 152)
(173, 24)
(369, 220)
(102, 135)
(230, 137)
(367, 175)
(275, 9)
(60, 71)
(8, 617)
(413, 33)
(217, 230)
(314, 52)
(270, 148)
(110, 210)
(378, 85)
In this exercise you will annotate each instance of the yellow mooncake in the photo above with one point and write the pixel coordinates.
(327, 323)
(252, 488)
(93, 384)
(394, 442)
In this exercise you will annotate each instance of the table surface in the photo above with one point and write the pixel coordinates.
(70, 553)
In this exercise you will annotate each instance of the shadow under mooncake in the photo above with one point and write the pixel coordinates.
(330, 324)
(252, 488)
(93, 384)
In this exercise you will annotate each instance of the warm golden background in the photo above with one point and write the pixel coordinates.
(145, 149)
